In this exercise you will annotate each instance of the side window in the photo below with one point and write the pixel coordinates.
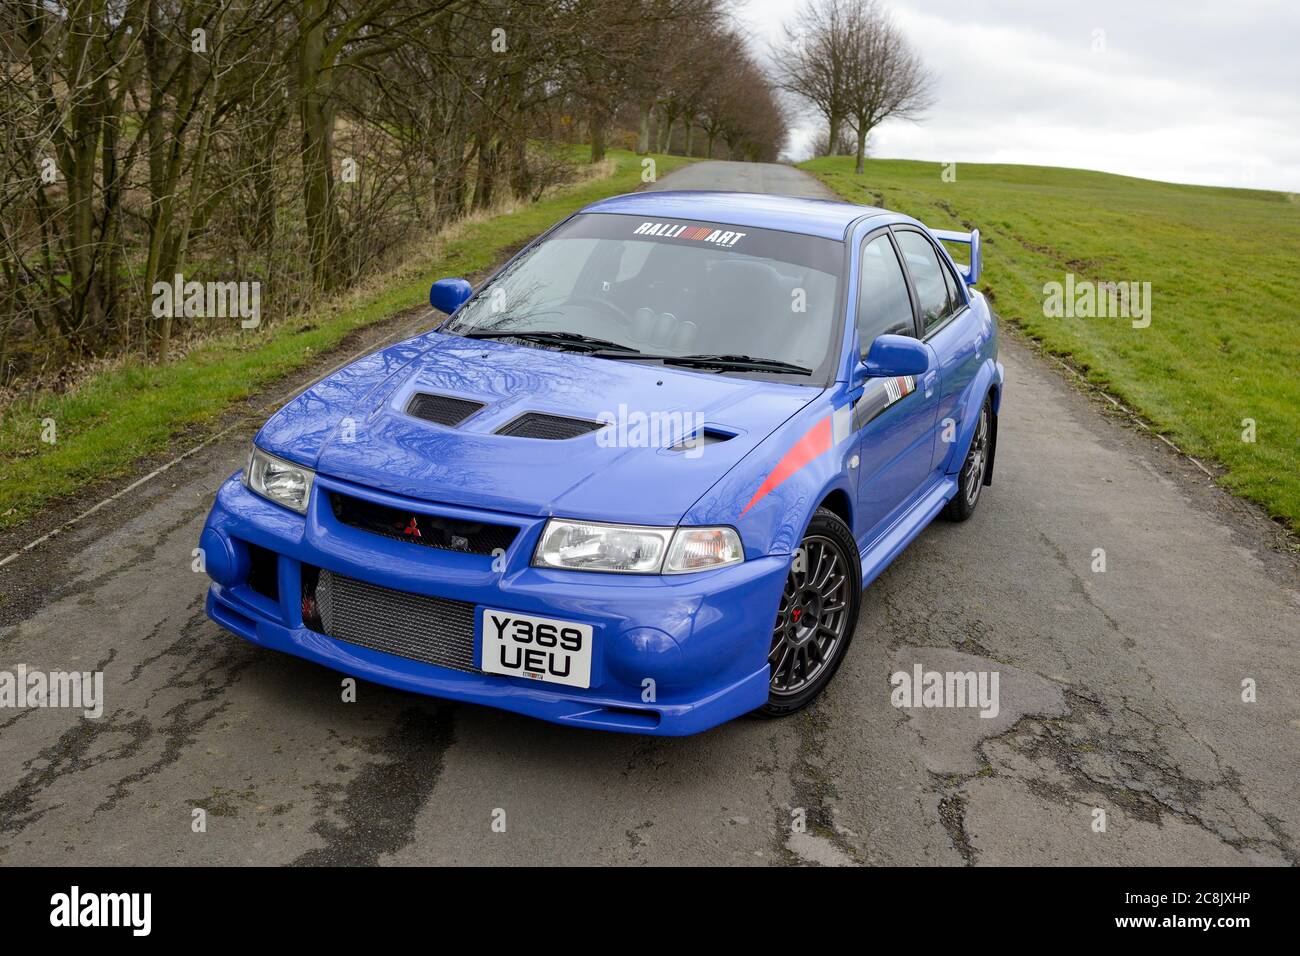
(955, 299)
(927, 276)
(883, 302)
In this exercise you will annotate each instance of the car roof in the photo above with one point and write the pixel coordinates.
(814, 217)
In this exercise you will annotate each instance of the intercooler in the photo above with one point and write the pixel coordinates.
(415, 626)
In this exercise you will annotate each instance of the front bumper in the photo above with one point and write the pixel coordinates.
(672, 655)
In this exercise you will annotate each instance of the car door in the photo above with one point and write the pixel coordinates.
(948, 326)
(893, 418)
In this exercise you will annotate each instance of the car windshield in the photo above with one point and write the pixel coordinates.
(700, 294)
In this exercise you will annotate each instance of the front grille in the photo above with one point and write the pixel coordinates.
(441, 409)
(432, 531)
(420, 628)
(550, 427)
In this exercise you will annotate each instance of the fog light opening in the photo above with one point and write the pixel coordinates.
(310, 611)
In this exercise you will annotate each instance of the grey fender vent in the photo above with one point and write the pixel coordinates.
(548, 427)
(441, 409)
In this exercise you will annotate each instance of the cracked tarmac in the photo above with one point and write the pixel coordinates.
(1119, 691)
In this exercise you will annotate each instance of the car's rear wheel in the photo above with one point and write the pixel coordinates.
(816, 617)
(971, 478)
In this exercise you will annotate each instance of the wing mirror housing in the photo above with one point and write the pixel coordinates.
(448, 295)
(894, 355)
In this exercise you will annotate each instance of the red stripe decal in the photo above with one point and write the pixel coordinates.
(815, 442)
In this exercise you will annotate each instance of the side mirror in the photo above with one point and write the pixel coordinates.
(448, 295)
(894, 355)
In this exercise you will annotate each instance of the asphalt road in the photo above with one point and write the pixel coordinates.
(1120, 691)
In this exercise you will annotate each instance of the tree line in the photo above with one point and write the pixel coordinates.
(300, 143)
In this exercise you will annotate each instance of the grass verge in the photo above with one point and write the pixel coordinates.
(1223, 347)
(116, 417)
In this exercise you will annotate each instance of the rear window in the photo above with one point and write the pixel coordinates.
(674, 287)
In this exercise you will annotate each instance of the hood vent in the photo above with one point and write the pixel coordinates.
(441, 409)
(710, 436)
(549, 427)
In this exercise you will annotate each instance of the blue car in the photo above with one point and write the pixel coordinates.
(639, 479)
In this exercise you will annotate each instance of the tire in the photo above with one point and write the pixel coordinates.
(817, 615)
(970, 479)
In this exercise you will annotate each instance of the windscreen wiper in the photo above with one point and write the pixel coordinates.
(724, 362)
(549, 338)
(746, 362)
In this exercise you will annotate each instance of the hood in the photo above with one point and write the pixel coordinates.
(357, 425)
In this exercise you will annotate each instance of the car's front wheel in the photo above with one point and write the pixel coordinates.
(816, 617)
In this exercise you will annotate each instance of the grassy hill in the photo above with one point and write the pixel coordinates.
(1223, 344)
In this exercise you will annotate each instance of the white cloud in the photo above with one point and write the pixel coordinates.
(1186, 92)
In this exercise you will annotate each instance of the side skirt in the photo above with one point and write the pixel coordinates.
(909, 524)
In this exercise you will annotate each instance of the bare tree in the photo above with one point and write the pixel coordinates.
(666, 51)
(884, 77)
(706, 68)
(848, 60)
(812, 61)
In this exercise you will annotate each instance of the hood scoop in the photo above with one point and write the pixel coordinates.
(548, 427)
(709, 436)
(441, 409)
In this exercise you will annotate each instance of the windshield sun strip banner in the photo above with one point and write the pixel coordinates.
(668, 230)
(815, 252)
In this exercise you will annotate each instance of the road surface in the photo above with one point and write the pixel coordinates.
(1120, 691)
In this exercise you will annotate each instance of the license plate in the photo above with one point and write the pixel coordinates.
(540, 648)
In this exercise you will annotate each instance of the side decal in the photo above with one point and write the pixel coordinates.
(816, 441)
(839, 426)
(879, 396)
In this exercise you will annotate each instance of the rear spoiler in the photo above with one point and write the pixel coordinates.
(970, 273)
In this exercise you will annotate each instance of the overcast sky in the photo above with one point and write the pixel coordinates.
(1191, 92)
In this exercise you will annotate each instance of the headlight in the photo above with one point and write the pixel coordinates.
(277, 480)
(635, 549)
(696, 549)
